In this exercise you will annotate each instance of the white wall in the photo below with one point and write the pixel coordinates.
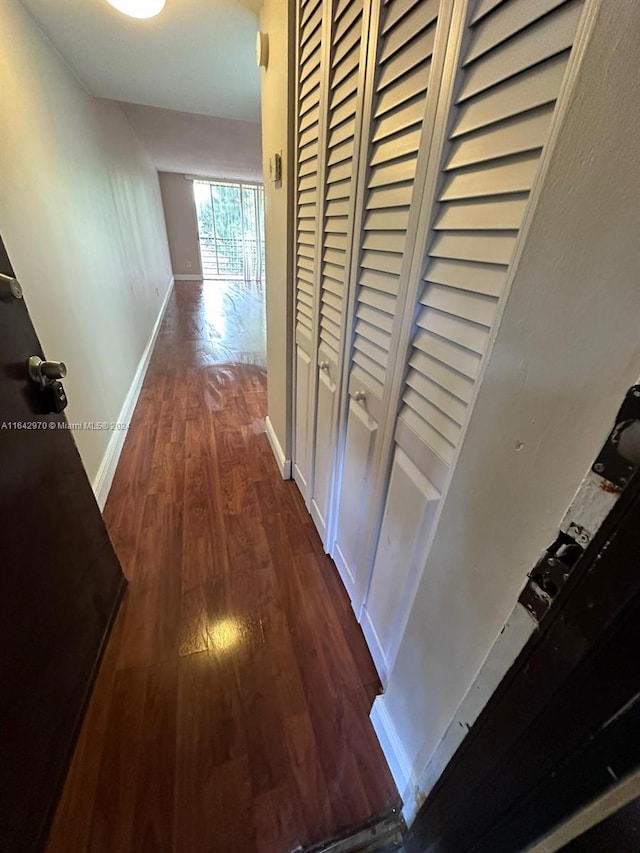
(277, 98)
(81, 218)
(566, 351)
(198, 145)
(182, 224)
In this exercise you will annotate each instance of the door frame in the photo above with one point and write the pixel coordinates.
(526, 734)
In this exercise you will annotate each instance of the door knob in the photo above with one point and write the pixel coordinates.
(9, 288)
(323, 365)
(45, 372)
(359, 396)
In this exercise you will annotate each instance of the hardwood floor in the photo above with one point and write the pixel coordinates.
(231, 708)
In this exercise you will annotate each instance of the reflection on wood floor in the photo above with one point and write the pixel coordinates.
(231, 709)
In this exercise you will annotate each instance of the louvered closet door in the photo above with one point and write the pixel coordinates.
(307, 178)
(403, 36)
(509, 75)
(345, 84)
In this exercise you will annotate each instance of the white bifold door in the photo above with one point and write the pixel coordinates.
(309, 160)
(343, 102)
(431, 118)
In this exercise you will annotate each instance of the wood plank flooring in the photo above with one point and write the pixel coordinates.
(231, 708)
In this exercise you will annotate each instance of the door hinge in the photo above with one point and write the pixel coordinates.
(615, 465)
(550, 574)
(620, 456)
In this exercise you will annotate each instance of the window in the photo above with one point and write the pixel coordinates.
(231, 229)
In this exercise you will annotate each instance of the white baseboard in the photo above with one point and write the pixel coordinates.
(319, 522)
(375, 646)
(106, 472)
(301, 483)
(188, 277)
(284, 464)
(345, 575)
(397, 758)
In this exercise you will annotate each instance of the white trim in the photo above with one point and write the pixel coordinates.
(319, 522)
(591, 504)
(106, 472)
(415, 785)
(426, 770)
(189, 277)
(394, 752)
(375, 646)
(345, 574)
(284, 464)
(299, 479)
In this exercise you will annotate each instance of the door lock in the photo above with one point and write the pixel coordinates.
(45, 372)
(47, 376)
(10, 288)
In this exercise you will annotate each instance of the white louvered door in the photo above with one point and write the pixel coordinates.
(308, 179)
(421, 127)
(399, 105)
(344, 92)
(511, 59)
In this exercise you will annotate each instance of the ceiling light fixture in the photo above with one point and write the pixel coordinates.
(138, 8)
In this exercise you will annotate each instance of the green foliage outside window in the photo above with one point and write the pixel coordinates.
(231, 228)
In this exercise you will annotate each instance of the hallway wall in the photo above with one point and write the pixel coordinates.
(276, 21)
(81, 217)
(182, 224)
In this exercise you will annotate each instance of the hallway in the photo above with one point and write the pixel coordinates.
(231, 709)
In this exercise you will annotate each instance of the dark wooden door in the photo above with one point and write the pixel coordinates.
(562, 728)
(619, 832)
(60, 585)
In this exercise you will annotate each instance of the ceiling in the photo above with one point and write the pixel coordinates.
(196, 56)
(198, 145)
